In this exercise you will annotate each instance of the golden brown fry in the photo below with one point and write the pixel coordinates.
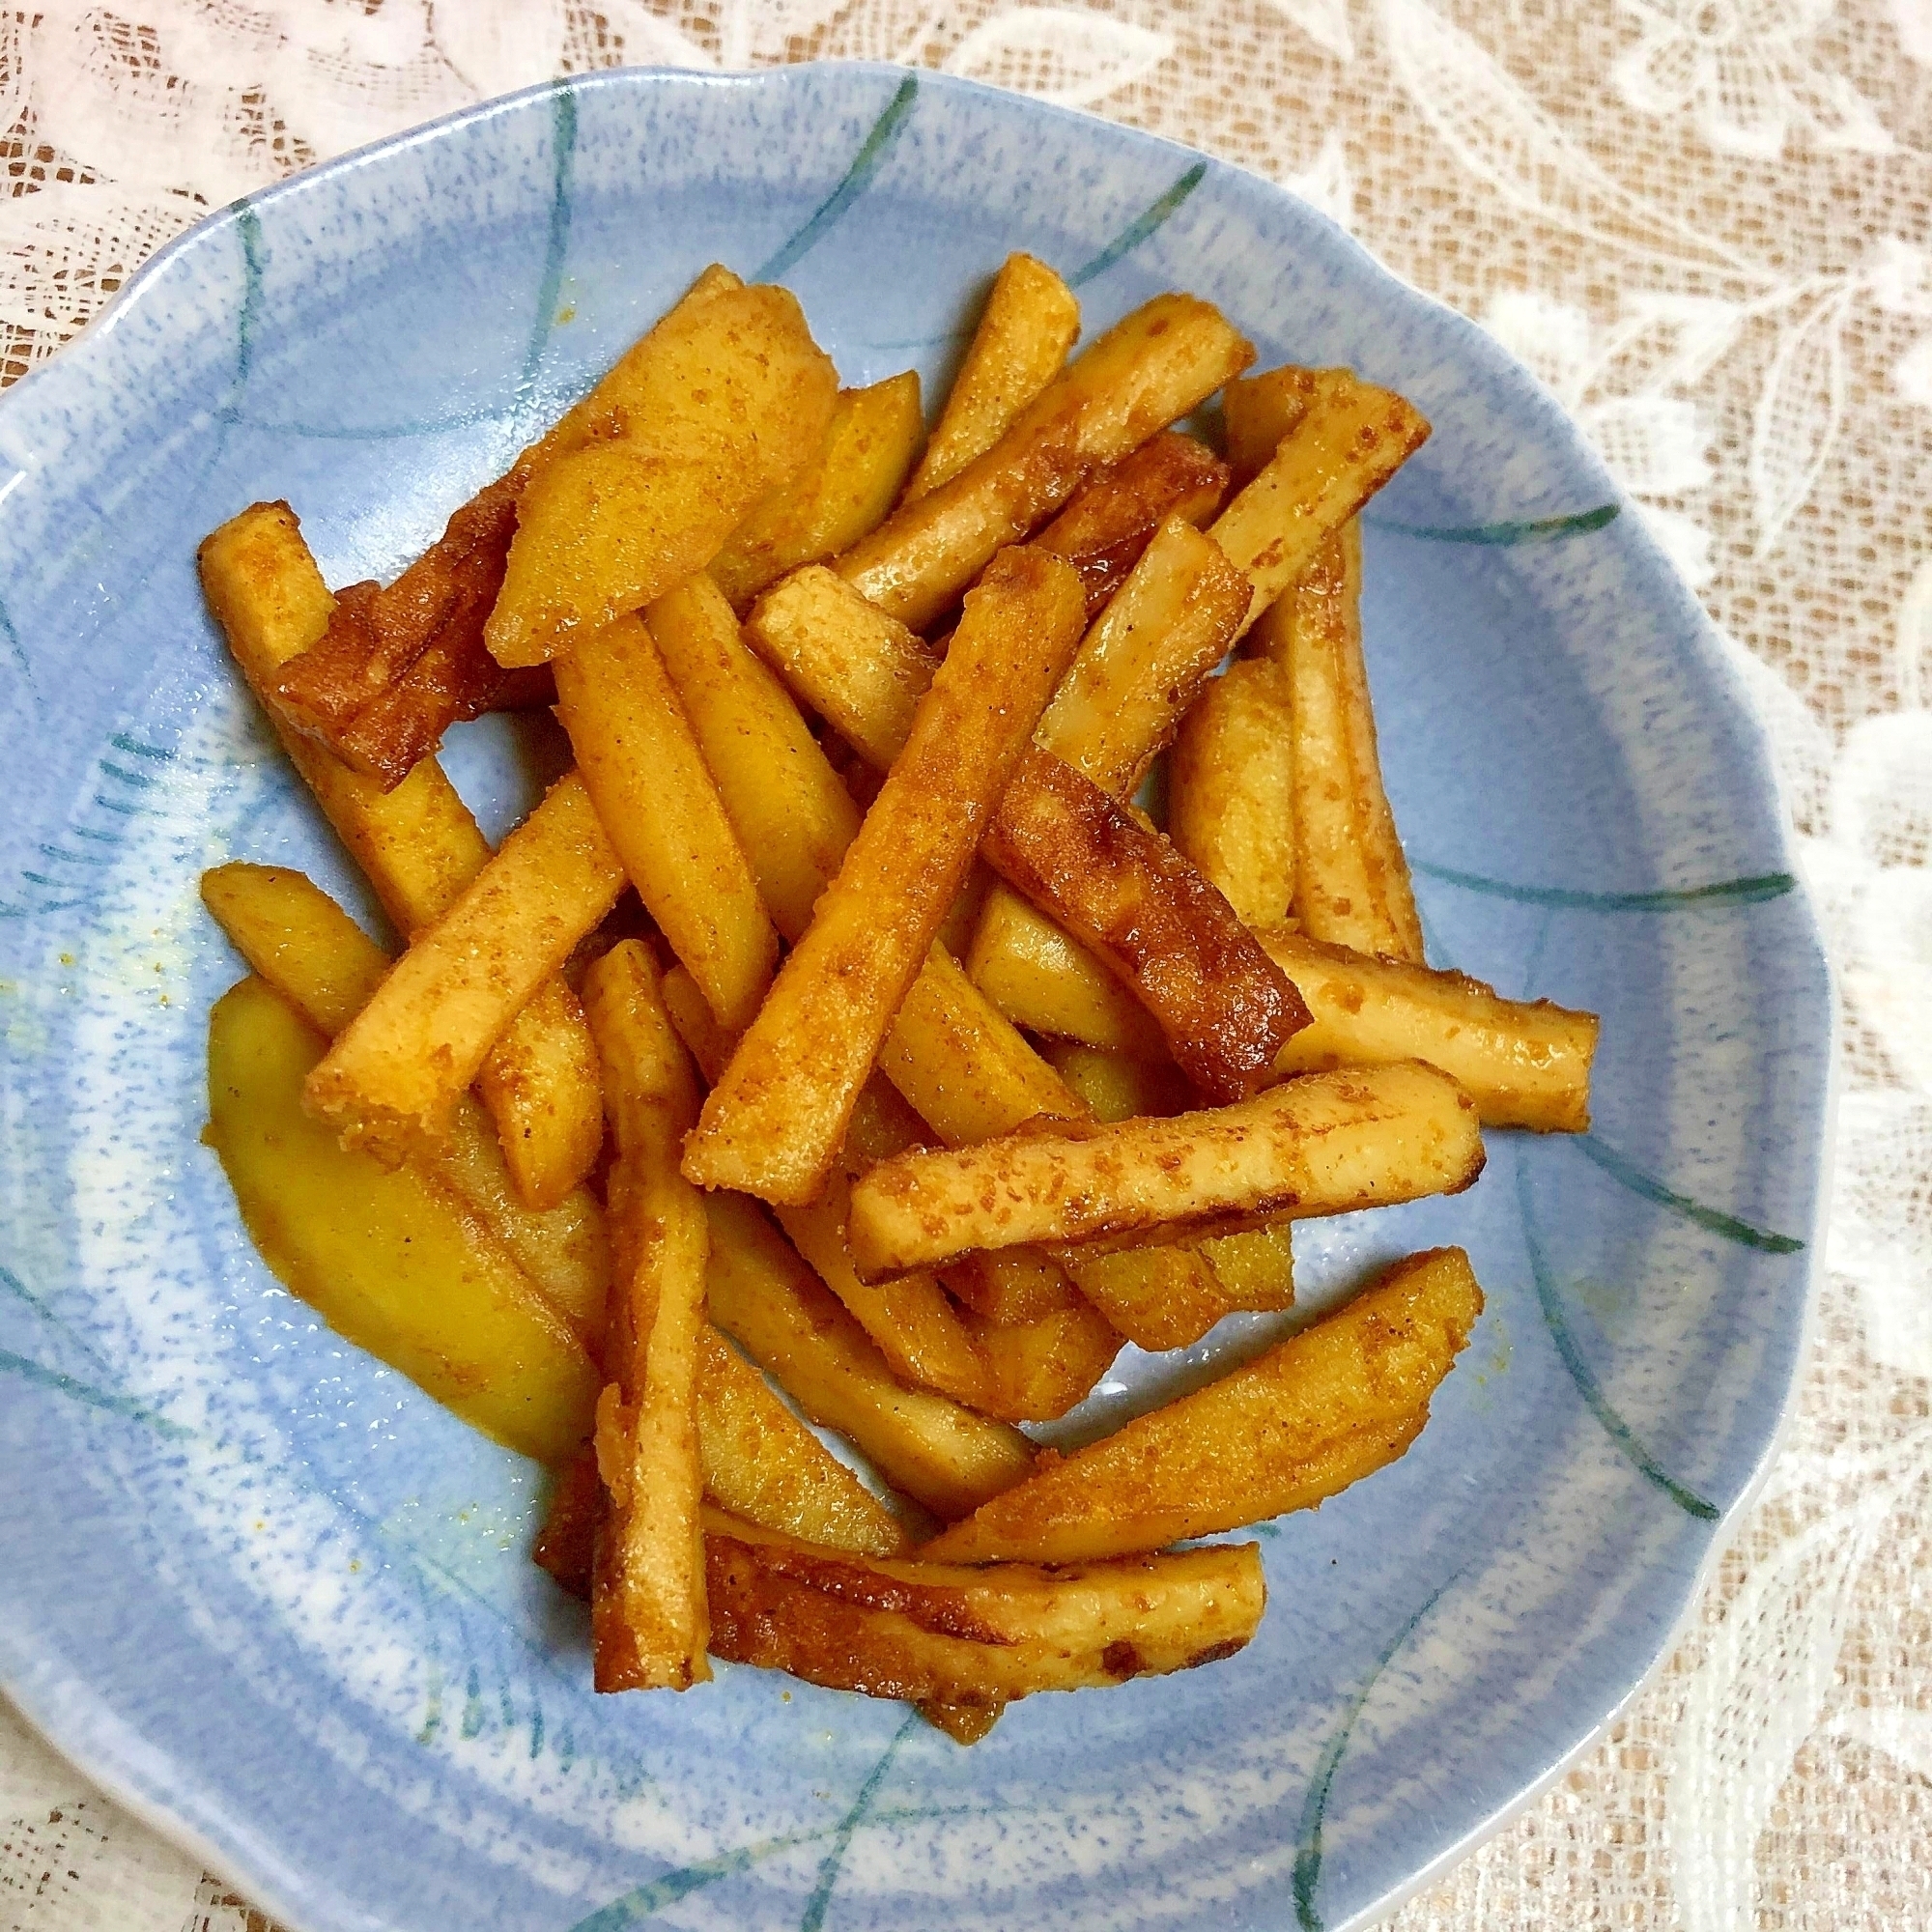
(1351, 881)
(965, 1070)
(1323, 1144)
(1231, 790)
(417, 845)
(1038, 1370)
(1524, 1064)
(389, 1257)
(1166, 358)
(1314, 1414)
(778, 1312)
(1354, 439)
(1260, 412)
(1013, 1288)
(323, 963)
(394, 1074)
(566, 1545)
(648, 1621)
(1169, 1294)
(1109, 523)
(1223, 1005)
(835, 500)
(793, 815)
(1114, 1086)
(1255, 1267)
(724, 401)
(974, 1638)
(762, 1463)
(773, 1124)
(862, 672)
(1042, 979)
(655, 795)
(1144, 658)
(1029, 322)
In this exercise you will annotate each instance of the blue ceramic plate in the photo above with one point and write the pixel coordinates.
(279, 1602)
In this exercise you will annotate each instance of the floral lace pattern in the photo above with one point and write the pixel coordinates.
(1707, 226)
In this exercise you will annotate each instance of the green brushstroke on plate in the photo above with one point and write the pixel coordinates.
(1150, 218)
(1754, 891)
(1516, 530)
(92, 1397)
(1711, 1219)
(865, 163)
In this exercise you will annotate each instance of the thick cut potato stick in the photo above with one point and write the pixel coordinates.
(1011, 1289)
(1166, 358)
(1144, 658)
(953, 1635)
(1315, 1414)
(1260, 412)
(1323, 1144)
(417, 845)
(390, 1258)
(1224, 1007)
(1115, 1085)
(1029, 322)
(648, 1621)
(1352, 883)
(1038, 1370)
(793, 812)
(327, 967)
(762, 1463)
(963, 1069)
(640, 763)
(394, 1074)
(1525, 1063)
(1231, 790)
(862, 672)
(774, 1122)
(1108, 525)
(1354, 439)
(1042, 979)
(778, 1312)
(835, 500)
(1168, 1295)
(724, 401)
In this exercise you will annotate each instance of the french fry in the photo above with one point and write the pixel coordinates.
(762, 1463)
(961, 1636)
(1259, 412)
(1352, 883)
(640, 762)
(1168, 1295)
(773, 1124)
(1114, 1086)
(1323, 1144)
(835, 500)
(417, 845)
(389, 1257)
(1231, 790)
(1255, 1267)
(297, 939)
(1108, 523)
(862, 670)
(393, 1076)
(1316, 1413)
(1353, 437)
(778, 1311)
(724, 402)
(1042, 979)
(1035, 1370)
(1524, 1064)
(793, 815)
(648, 1613)
(1029, 322)
(1166, 358)
(1223, 1005)
(1013, 1288)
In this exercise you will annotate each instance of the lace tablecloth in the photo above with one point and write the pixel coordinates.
(1707, 224)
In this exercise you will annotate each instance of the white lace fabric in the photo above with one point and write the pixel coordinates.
(1707, 224)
